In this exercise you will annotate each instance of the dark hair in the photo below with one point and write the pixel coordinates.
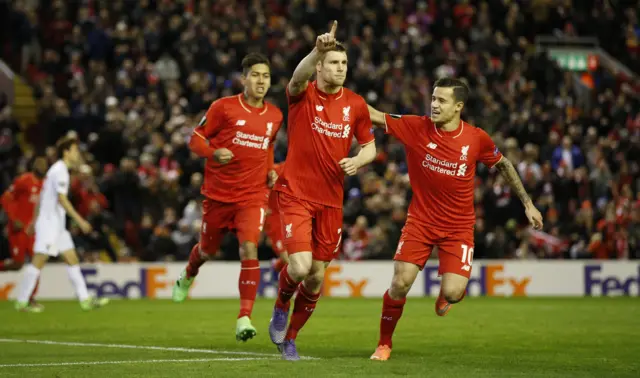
(339, 47)
(251, 60)
(64, 144)
(460, 89)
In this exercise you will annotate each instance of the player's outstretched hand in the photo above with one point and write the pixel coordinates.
(85, 227)
(327, 41)
(223, 155)
(534, 216)
(349, 166)
(272, 177)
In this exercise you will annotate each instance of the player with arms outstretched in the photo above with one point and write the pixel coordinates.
(323, 119)
(442, 153)
(236, 137)
(19, 202)
(52, 237)
(273, 226)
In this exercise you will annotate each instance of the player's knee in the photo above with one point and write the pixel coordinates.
(453, 294)
(248, 251)
(299, 269)
(314, 281)
(400, 287)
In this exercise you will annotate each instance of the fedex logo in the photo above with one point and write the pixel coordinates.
(334, 283)
(6, 290)
(149, 281)
(596, 283)
(489, 281)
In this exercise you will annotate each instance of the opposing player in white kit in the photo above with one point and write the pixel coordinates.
(51, 235)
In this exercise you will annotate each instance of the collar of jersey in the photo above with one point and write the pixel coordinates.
(324, 95)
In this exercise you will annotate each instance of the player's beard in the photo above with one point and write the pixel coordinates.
(334, 80)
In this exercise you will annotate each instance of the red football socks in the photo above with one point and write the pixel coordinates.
(303, 307)
(248, 286)
(195, 261)
(286, 288)
(391, 313)
(35, 291)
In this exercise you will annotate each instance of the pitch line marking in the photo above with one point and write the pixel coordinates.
(148, 347)
(134, 362)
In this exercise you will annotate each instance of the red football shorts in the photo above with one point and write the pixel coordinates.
(455, 248)
(309, 226)
(273, 225)
(21, 245)
(219, 217)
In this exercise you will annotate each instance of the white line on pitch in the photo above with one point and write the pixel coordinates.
(147, 347)
(134, 362)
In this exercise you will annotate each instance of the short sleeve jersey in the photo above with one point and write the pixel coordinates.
(248, 132)
(442, 167)
(321, 128)
(51, 212)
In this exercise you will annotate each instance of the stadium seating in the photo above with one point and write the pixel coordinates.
(133, 79)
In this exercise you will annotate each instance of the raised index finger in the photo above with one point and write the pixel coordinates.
(334, 27)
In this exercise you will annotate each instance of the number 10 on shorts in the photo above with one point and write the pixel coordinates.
(467, 257)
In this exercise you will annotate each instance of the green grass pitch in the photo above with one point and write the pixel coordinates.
(481, 337)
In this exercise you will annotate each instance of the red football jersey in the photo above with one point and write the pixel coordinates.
(248, 133)
(442, 168)
(321, 128)
(20, 200)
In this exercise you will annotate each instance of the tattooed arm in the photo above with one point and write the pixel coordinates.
(511, 176)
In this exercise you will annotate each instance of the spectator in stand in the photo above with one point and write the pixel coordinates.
(132, 78)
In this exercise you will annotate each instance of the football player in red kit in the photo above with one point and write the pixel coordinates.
(236, 137)
(324, 117)
(19, 203)
(442, 153)
(273, 226)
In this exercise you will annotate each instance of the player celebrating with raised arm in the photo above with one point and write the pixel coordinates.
(20, 202)
(442, 153)
(323, 118)
(52, 237)
(236, 137)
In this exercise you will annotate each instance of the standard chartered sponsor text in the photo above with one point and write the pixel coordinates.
(325, 128)
(440, 166)
(248, 140)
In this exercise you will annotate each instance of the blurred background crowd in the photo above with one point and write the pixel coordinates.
(133, 77)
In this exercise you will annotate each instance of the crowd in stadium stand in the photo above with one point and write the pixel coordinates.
(132, 79)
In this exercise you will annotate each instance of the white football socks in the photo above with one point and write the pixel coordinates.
(75, 275)
(31, 274)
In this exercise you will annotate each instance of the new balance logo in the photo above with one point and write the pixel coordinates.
(432, 146)
(466, 268)
(319, 108)
(241, 122)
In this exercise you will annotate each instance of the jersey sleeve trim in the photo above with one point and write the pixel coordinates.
(496, 163)
(200, 135)
(368, 143)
